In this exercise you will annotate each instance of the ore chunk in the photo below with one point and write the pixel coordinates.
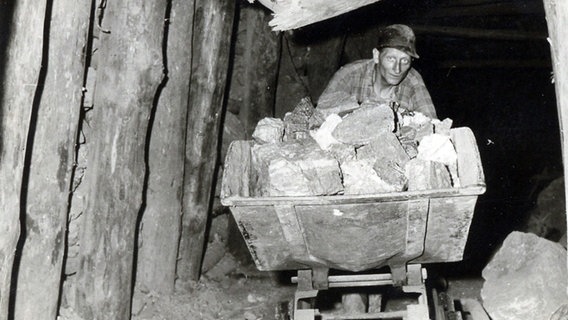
(269, 130)
(295, 169)
(365, 124)
(359, 177)
(427, 175)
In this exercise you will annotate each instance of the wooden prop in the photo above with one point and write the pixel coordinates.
(211, 40)
(255, 68)
(20, 64)
(161, 221)
(557, 19)
(52, 148)
(129, 73)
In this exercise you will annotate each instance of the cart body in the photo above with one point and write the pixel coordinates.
(355, 232)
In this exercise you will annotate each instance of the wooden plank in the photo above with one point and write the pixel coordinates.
(20, 62)
(492, 34)
(129, 72)
(236, 172)
(52, 150)
(255, 66)
(292, 14)
(160, 227)
(494, 63)
(344, 199)
(486, 9)
(470, 171)
(291, 230)
(211, 41)
(557, 20)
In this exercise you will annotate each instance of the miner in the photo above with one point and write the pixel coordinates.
(387, 78)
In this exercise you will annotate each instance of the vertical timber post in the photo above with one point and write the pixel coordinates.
(161, 221)
(557, 21)
(53, 135)
(255, 68)
(213, 26)
(19, 76)
(129, 73)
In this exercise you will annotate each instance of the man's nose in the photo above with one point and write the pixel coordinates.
(396, 67)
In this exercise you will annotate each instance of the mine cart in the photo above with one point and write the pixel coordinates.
(356, 234)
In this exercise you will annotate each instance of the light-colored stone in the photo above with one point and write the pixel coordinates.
(365, 124)
(427, 175)
(323, 136)
(295, 168)
(342, 152)
(526, 279)
(438, 148)
(359, 177)
(442, 127)
(269, 130)
(413, 119)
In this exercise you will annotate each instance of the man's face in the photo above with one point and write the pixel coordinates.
(393, 65)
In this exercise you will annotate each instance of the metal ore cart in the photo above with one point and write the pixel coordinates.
(356, 233)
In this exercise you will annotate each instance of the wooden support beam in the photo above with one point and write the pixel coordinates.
(255, 67)
(160, 229)
(130, 71)
(293, 14)
(478, 33)
(557, 20)
(211, 42)
(487, 9)
(53, 134)
(20, 66)
(494, 63)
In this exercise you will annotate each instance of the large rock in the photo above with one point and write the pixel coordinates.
(526, 279)
(336, 103)
(269, 130)
(295, 168)
(439, 148)
(385, 147)
(392, 173)
(427, 175)
(548, 218)
(359, 177)
(296, 123)
(365, 124)
(322, 135)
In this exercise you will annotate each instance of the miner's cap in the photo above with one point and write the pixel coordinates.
(398, 36)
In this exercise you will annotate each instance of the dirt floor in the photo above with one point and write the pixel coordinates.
(229, 290)
(231, 287)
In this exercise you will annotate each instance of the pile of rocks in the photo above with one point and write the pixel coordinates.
(367, 151)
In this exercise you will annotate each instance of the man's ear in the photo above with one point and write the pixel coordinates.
(376, 55)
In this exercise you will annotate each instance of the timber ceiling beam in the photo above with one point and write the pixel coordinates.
(489, 9)
(293, 14)
(479, 33)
